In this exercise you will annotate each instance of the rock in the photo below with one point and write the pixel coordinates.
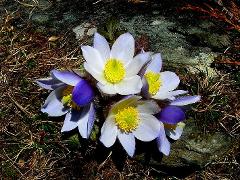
(192, 151)
(83, 30)
(40, 18)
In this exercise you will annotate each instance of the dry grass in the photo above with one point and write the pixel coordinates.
(32, 146)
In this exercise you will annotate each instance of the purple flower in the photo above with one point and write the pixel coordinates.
(71, 95)
(172, 116)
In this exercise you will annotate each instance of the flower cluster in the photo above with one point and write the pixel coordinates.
(149, 107)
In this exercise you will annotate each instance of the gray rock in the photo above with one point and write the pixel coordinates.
(194, 150)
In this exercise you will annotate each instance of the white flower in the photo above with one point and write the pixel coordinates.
(128, 119)
(160, 85)
(116, 69)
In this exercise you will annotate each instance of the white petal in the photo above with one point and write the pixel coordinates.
(53, 105)
(178, 92)
(148, 128)
(176, 134)
(123, 48)
(128, 142)
(71, 121)
(101, 44)
(148, 107)
(162, 142)
(182, 101)
(107, 88)
(170, 80)
(96, 74)
(93, 58)
(162, 94)
(137, 63)
(129, 86)
(156, 64)
(109, 132)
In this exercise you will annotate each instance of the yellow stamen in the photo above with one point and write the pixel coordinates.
(154, 82)
(67, 98)
(127, 119)
(114, 71)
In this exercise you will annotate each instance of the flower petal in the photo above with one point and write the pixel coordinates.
(82, 93)
(96, 74)
(182, 101)
(148, 128)
(162, 142)
(128, 101)
(86, 119)
(137, 63)
(101, 44)
(178, 92)
(91, 119)
(171, 115)
(128, 142)
(129, 86)
(123, 48)
(156, 64)
(109, 132)
(176, 133)
(170, 81)
(67, 77)
(93, 58)
(148, 107)
(145, 89)
(49, 83)
(53, 105)
(107, 88)
(71, 120)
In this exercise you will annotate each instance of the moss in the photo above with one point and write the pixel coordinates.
(8, 171)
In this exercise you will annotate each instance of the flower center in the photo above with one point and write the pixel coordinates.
(67, 98)
(154, 82)
(127, 119)
(114, 71)
(170, 126)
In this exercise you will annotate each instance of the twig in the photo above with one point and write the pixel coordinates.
(20, 107)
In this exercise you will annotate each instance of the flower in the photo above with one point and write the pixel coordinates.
(115, 70)
(71, 95)
(172, 116)
(160, 85)
(130, 118)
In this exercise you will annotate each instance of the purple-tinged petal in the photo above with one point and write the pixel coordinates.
(171, 115)
(145, 89)
(162, 142)
(49, 83)
(128, 142)
(101, 44)
(71, 120)
(182, 101)
(156, 64)
(82, 93)
(91, 119)
(176, 133)
(109, 132)
(67, 77)
(53, 105)
(177, 92)
(86, 121)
